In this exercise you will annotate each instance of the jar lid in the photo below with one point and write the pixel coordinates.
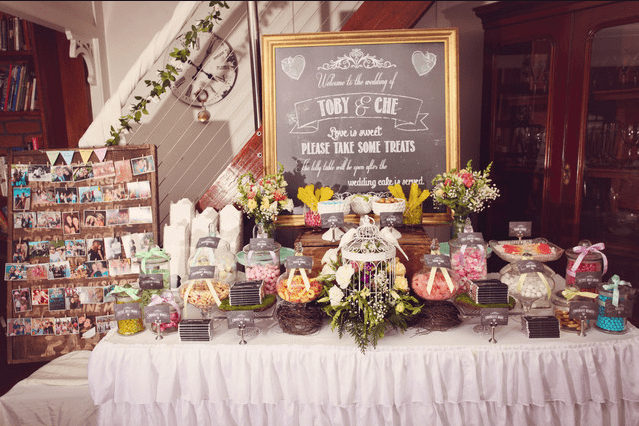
(590, 257)
(560, 300)
(624, 291)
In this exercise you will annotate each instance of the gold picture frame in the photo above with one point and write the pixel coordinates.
(413, 100)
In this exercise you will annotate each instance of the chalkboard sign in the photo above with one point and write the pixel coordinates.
(359, 111)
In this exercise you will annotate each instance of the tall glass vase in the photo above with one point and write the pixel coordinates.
(264, 229)
(458, 225)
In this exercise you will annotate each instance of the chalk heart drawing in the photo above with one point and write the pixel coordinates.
(294, 67)
(424, 62)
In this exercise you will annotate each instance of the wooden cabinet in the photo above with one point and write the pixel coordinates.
(62, 111)
(560, 122)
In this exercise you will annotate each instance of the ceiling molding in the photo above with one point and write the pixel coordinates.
(76, 16)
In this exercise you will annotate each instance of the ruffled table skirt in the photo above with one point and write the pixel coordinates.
(443, 378)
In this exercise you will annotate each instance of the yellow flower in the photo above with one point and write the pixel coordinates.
(265, 205)
(401, 283)
(251, 204)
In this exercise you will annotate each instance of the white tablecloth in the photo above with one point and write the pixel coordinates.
(442, 378)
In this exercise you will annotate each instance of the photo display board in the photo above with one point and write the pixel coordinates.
(76, 219)
(359, 111)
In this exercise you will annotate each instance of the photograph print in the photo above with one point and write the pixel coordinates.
(19, 175)
(61, 173)
(39, 173)
(142, 165)
(21, 198)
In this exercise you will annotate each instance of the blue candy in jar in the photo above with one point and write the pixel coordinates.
(606, 322)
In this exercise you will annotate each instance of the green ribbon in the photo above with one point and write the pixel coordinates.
(153, 252)
(571, 293)
(132, 292)
(614, 286)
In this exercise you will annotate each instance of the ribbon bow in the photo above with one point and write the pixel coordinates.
(131, 292)
(165, 297)
(583, 252)
(614, 286)
(570, 293)
(150, 254)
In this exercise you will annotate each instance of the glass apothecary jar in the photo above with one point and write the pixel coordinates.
(262, 262)
(561, 309)
(608, 321)
(528, 281)
(585, 257)
(132, 326)
(299, 284)
(155, 261)
(468, 255)
(436, 280)
(176, 307)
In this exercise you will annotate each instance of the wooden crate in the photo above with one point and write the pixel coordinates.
(41, 348)
(414, 241)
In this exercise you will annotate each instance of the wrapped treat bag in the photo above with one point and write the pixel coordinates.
(299, 283)
(585, 258)
(468, 254)
(436, 280)
(263, 262)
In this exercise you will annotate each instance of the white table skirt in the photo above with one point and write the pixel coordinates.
(442, 378)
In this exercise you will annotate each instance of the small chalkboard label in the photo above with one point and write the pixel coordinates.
(262, 244)
(127, 311)
(519, 229)
(208, 242)
(332, 220)
(494, 316)
(202, 272)
(470, 238)
(623, 310)
(437, 261)
(151, 281)
(157, 314)
(583, 309)
(529, 266)
(299, 262)
(235, 318)
(588, 279)
(391, 219)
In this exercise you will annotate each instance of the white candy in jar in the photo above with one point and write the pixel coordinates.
(269, 273)
(532, 286)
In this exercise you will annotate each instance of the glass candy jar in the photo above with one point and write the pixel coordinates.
(528, 281)
(312, 217)
(468, 254)
(155, 261)
(176, 305)
(262, 262)
(585, 257)
(607, 321)
(436, 280)
(299, 283)
(129, 326)
(561, 309)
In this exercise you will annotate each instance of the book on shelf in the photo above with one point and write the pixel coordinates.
(4, 176)
(14, 34)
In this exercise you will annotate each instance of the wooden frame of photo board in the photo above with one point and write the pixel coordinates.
(22, 349)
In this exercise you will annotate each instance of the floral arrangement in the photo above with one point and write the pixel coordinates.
(263, 198)
(464, 191)
(413, 212)
(351, 297)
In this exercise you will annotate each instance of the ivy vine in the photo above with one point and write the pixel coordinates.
(167, 75)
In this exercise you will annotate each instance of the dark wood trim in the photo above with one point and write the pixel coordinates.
(378, 15)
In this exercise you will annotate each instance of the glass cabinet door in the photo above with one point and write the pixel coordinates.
(519, 137)
(610, 206)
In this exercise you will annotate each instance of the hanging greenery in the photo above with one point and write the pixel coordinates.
(168, 74)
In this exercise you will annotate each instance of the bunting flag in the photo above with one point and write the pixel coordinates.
(101, 153)
(68, 156)
(53, 156)
(86, 154)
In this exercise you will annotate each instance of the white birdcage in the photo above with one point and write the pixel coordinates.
(373, 260)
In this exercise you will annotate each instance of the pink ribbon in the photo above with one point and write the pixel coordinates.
(584, 251)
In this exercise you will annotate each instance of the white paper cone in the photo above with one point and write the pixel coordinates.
(231, 227)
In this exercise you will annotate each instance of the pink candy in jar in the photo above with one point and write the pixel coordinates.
(312, 218)
(468, 255)
(585, 257)
(267, 272)
(440, 289)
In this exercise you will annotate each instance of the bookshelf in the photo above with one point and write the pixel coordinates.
(44, 93)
